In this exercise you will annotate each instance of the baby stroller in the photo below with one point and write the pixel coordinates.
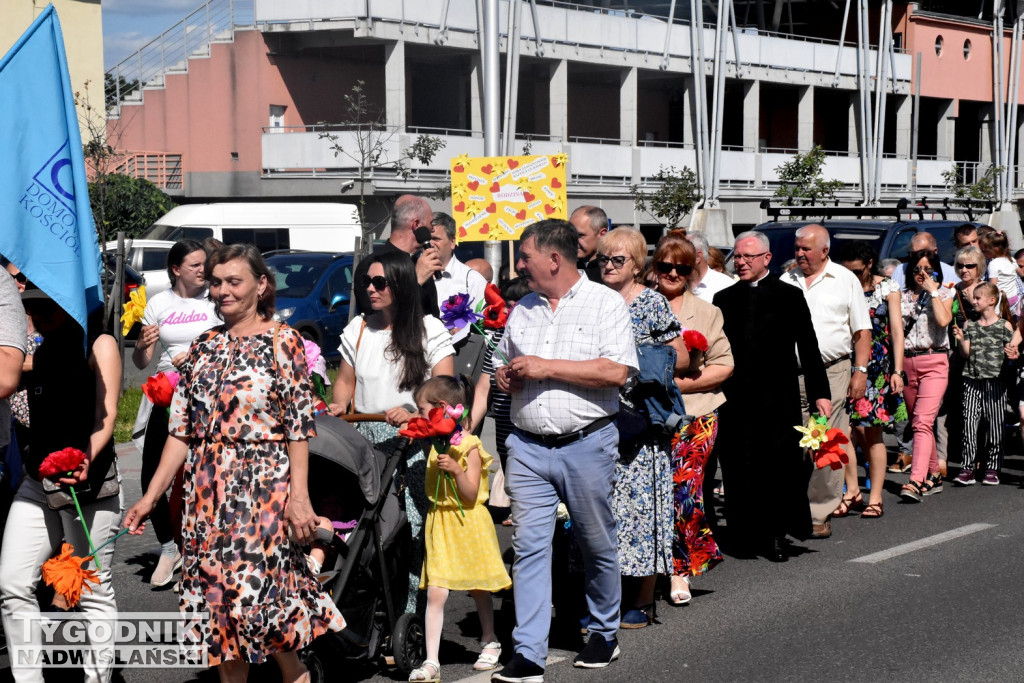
(366, 574)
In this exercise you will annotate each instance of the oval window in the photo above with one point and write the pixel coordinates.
(967, 49)
(938, 46)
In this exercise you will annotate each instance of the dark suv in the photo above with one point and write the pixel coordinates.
(308, 284)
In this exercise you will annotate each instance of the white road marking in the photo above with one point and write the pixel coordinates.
(928, 541)
(485, 676)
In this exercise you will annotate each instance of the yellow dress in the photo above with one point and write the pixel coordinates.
(462, 553)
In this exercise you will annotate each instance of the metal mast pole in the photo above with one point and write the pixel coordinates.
(488, 30)
(515, 16)
(884, 33)
(997, 87)
(718, 103)
(700, 94)
(1011, 129)
(842, 40)
(863, 61)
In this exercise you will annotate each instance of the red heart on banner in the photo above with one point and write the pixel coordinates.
(495, 187)
(521, 215)
(487, 169)
(528, 196)
(492, 208)
(462, 231)
(548, 209)
(460, 207)
(485, 229)
(555, 184)
(512, 163)
(459, 168)
(472, 185)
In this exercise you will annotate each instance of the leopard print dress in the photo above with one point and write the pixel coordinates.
(239, 405)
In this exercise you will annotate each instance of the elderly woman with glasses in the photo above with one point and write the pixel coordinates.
(385, 355)
(642, 499)
(694, 550)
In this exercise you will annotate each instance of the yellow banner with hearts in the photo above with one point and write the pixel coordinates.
(495, 198)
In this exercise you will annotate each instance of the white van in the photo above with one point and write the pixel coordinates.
(302, 226)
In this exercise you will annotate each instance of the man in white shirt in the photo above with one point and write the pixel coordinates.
(567, 349)
(704, 282)
(455, 276)
(843, 328)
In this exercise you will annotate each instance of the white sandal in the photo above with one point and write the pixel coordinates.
(486, 662)
(681, 597)
(427, 672)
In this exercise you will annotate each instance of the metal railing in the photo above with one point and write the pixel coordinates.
(164, 170)
(170, 51)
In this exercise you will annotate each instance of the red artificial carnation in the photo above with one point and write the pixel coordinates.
(495, 312)
(695, 341)
(61, 462)
(159, 389)
(439, 423)
(831, 453)
(418, 428)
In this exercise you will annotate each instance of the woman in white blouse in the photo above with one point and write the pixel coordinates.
(385, 356)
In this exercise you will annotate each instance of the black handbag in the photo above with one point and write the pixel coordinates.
(58, 497)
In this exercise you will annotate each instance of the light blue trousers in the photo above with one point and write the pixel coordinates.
(582, 476)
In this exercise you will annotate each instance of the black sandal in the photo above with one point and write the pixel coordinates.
(873, 511)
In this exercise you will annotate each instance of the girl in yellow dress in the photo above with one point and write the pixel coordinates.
(461, 547)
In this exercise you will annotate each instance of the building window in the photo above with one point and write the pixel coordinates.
(967, 49)
(938, 46)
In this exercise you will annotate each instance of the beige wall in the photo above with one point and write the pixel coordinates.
(81, 21)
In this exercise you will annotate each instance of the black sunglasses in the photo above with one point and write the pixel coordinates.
(379, 282)
(969, 266)
(664, 267)
(616, 261)
(20, 277)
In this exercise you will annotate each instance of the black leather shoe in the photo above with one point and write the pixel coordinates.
(776, 551)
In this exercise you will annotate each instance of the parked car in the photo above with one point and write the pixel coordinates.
(313, 292)
(148, 257)
(889, 237)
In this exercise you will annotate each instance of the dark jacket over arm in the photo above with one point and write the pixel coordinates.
(428, 292)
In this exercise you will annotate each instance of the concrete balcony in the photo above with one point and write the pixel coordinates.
(578, 27)
(613, 164)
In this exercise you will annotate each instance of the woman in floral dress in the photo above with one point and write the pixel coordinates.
(882, 404)
(694, 551)
(240, 420)
(642, 498)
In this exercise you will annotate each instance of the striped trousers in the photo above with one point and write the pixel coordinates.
(984, 399)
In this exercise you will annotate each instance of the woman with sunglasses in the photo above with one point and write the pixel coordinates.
(694, 550)
(926, 309)
(386, 354)
(642, 497)
(882, 404)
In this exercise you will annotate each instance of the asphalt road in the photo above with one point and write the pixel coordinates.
(929, 592)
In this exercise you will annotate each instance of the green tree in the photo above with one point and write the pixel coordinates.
(982, 188)
(676, 194)
(127, 203)
(120, 86)
(801, 178)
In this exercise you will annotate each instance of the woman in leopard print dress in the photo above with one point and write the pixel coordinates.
(240, 420)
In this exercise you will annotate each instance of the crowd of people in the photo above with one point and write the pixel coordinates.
(591, 329)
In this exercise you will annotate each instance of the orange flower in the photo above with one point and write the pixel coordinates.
(67, 576)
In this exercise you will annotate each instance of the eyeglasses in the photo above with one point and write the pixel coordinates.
(21, 278)
(664, 267)
(379, 282)
(747, 258)
(616, 261)
(969, 266)
(923, 269)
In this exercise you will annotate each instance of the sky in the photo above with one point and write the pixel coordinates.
(130, 24)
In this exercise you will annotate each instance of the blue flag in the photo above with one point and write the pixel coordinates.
(46, 225)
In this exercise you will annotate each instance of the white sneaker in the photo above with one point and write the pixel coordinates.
(165, 568)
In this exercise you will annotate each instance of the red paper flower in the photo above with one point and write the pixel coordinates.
(418, 428)
(831, 453)
(439, 423)
(695, 341)
(61, 462)
(495, 312)
(159, 388)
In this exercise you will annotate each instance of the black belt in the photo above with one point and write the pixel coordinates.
(559, 440)
(837, 361)
(925, 352)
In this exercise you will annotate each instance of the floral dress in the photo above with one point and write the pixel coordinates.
(239, 403)
(642, 498)
(880, 405)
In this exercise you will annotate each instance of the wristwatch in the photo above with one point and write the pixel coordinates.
(860, 368)
(935, 294)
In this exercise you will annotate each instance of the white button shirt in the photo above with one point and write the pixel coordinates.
(591, 321)
(712, 283)
(838, 309)
(458, 278)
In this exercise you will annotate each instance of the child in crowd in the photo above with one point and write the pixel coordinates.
(462, 550)
(1002, 271)
(981, 343)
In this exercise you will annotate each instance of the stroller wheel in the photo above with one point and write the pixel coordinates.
(409, 642)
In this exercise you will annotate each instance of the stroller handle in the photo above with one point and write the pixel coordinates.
(364, 417)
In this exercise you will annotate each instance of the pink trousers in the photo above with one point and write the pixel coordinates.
(926, 383)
